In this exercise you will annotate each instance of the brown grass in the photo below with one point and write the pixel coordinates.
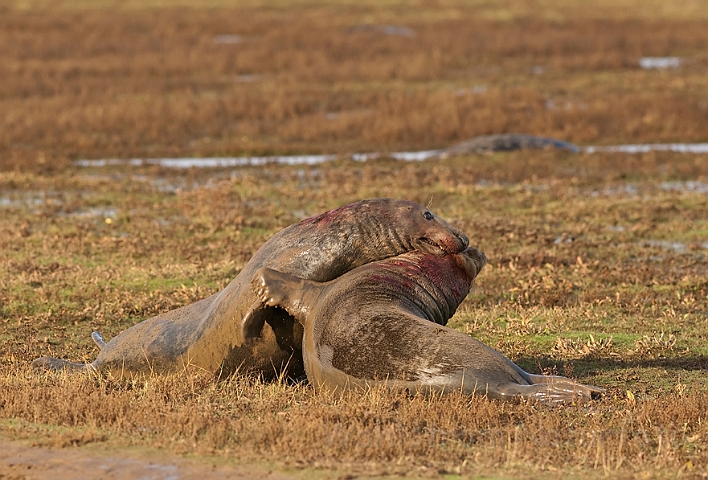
(572, 288)
(373, 433)
(123, 83)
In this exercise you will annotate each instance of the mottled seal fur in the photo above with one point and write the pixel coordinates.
(225, 332)
(382, 324)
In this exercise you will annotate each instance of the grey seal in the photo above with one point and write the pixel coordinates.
(505, 142)
(382, 324)
(225, 333)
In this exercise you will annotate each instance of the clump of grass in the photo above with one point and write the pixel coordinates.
(581, 348)
(656, 344)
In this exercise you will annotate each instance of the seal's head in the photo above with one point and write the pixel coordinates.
(391, 227)
(428, 232)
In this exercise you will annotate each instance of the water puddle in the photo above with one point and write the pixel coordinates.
(696, 148)
(621, 190)
(227, 39)
(30, 199)
(673, 246)
(404, 156)
(246, 78)
(398, 30)
(690, 186)
(677, 247)
(211, 162)
(40, 202)
(637, 189)
(660, 250)
(483, 144)
(649, 63)
(391, 30)
(225, 162)
(476, 90)
(94, 212)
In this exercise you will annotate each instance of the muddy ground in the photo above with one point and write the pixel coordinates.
(18, 460)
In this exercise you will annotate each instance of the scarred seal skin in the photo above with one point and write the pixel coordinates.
(382, 324)
(229, 331)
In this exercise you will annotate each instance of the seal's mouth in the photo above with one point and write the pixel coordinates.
(435, 247)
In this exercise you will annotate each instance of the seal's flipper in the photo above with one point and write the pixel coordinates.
(98, 340)
(273, 287)
(278, 289)
(57, 364)
(558, 380)
(552, 391)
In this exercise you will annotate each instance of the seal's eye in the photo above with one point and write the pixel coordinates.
(428, 216)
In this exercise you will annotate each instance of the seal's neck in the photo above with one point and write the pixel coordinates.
(435, 285)
(379, 238)
(349, 239)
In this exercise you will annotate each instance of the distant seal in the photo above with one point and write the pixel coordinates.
(228, 332)
(505, 142)
(380, 324)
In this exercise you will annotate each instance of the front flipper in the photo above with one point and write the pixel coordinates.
(253, 321)
(270, 287)
(98, 340)
(293, 294)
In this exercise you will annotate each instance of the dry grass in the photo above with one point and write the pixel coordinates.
(574, 286)
(103, 83)
(373, 433)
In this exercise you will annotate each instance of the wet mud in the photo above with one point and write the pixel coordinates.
(21, 461)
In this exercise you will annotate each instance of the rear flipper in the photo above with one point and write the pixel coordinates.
(57, 364)
(272, 289)
(98, 340)
(546, 389)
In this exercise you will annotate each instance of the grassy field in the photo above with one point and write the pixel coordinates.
(598, 264)
(125, 82)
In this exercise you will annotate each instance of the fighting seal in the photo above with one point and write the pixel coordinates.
(382, 324)
(228, 332)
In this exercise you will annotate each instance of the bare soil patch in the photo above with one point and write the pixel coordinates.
(21, 461)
